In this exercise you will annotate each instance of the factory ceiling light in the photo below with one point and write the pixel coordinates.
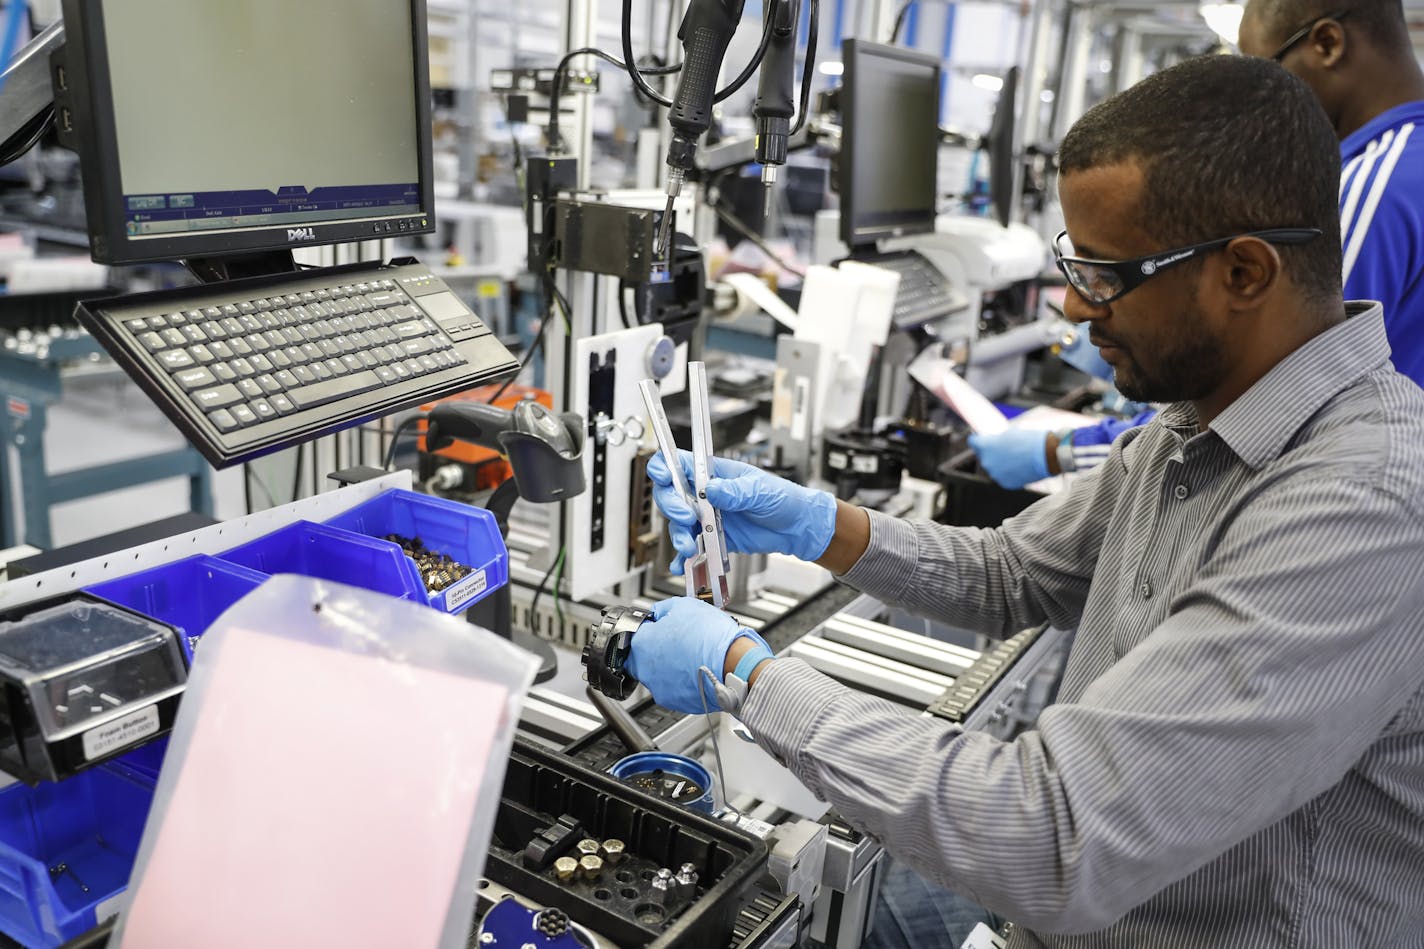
(1223, 18)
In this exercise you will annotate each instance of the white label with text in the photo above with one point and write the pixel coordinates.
(111, 736)
(466, 590)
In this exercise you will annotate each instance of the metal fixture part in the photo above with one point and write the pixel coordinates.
(605, 656)
(565, 868)
(590, 867)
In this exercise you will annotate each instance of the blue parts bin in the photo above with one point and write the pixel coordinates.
(66, 850)
(315, 550)
(188, 594)
(83, 680)
(466, 534)
(675, 778)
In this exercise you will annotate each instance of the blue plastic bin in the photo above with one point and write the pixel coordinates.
(467, 534)
(315, 550)
(92, 824)
(188, 594)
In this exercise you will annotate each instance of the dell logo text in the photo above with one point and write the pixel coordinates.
(301, 233)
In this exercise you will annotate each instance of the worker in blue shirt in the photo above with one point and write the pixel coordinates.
(1359, 61)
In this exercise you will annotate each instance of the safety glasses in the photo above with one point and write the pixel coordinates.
(1304, 31)
(1103, 281)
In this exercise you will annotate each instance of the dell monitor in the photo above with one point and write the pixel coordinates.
(208, 128)
(889, 144)
(1000, 145)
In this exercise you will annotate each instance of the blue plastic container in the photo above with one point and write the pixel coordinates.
(57, 839)
(315, 550)
(188, 594)
(464, 533)
(663, 763)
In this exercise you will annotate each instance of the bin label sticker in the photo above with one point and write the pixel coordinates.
(111, 736)
(466, 590)
(17, 407)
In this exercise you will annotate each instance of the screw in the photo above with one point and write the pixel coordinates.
(663, 885)
(588, 847)
(591, 867)
(613, 851)
(565, 868)
(687, 882)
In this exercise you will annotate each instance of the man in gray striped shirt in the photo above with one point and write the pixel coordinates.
(1236, 755)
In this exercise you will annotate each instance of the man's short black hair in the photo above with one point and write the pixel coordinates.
(1381, 21)
(1227, 144)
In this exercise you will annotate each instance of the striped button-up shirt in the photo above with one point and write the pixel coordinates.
(1236, 756)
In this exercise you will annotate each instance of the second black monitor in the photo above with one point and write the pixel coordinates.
(890, 142)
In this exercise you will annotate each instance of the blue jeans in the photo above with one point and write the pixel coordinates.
(911, 913)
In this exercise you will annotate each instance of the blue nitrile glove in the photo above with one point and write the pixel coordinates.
(761, 513)
(1081, 354)
(669, 651)
(1013, 458)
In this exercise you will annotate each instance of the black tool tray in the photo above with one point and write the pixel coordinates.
(541, 786)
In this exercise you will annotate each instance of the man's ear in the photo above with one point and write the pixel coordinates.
(1253, 268)
(1328, 42)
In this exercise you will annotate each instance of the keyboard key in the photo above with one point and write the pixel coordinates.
(428, 363)
(292, 335)
(280, 359)
(215, 329)
(400, 370)
(240, 346)
(261, 363)
(385, 299)
(263, 304)
(324, 328)
(351, 363)
(413, 366)
(293, 299)
(269, 384)
(386, 374)
(158, 323)
(359, 321)
(323, 294)
(416, 347)
(136, 326)
(275, 338)
(304, 374)
(263, 409)
(268, 321)
(259, 343)
(284, 317)
(308, 332)
(250, 323)
(321, 372)
(329, 348)
(194, 316)
(308, 397)
(367, 360)
(410, 330)
(217, 398)
(199, 377)
(233, 327)
(176, 319)
(195, 333)
(308, 297)
(287, 379)
(200, 353)
(242, 367)
(223, 419)
(296, 354)
(243, 414)
(175, 359)
(246, 307)
(174, 337)
(317, 311)
(335, 367)
(212, 313)
(221, 349)
(152, 342)
(249, 388)
(345, 344)
(229, 309)
(223, 372)
(282, 404)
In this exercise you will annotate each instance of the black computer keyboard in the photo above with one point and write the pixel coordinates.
(249, 366)
(925, 294)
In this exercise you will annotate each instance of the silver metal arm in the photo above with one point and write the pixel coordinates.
(27, 89)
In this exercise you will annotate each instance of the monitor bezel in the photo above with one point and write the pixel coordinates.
(856, 234)
(89, 96)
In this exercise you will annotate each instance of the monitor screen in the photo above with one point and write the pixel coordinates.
(209, 127)
(889, 144)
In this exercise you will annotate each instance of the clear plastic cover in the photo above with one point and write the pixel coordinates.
(332, 778)
(84, 662)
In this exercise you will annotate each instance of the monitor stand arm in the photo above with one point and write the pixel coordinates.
(237, 266)
(29, 90)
